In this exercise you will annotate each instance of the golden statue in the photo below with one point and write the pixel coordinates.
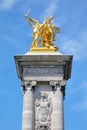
(43, 34)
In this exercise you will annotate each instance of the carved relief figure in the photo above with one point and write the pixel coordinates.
(43, 110)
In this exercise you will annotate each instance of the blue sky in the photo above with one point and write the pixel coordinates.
(15, 39)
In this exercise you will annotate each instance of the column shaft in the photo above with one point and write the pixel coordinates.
(57, 121)
(57, 115)
(27, 121)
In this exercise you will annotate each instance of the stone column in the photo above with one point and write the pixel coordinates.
(57, 115)
(43, 67)
(27, 119)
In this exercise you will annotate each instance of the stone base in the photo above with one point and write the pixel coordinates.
(52, 49)
(42, 52)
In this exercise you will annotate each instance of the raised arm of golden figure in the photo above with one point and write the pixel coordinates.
(31, 21)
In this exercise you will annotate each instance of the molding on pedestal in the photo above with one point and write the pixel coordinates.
(43, 67)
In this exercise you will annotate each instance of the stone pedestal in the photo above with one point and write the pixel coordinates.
(43, 78)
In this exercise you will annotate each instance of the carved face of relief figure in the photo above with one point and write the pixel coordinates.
(43, 111)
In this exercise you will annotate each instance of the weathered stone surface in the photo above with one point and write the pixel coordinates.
(42, 67)
(43, 78)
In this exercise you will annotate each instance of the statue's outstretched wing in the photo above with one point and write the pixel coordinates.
(56, 29)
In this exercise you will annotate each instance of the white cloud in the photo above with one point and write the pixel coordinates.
(81, 87)
(76, 46)
(6, 4)
(52, 7)
(84, 84)
(80, 106)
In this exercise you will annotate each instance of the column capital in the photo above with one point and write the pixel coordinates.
(28, 85)
(63, 83)
(58, 84)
